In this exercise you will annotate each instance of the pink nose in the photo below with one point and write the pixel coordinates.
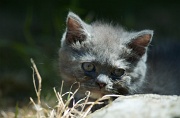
(101, 85)
(102, 80)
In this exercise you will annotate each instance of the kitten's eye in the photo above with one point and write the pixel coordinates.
(118, 72)
(88, 66)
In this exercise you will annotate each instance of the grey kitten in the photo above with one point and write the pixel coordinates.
(105, 59)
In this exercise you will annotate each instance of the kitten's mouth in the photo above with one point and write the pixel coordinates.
(93, 85)
(105, 90)
(97, 88)
(95, 91)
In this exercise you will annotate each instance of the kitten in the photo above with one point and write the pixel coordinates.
(105, 59)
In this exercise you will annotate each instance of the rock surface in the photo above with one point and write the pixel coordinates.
(141, 106)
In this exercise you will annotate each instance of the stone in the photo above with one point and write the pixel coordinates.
(141, 106)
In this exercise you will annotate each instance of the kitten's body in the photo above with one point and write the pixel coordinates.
(104, 59)
(163, 73)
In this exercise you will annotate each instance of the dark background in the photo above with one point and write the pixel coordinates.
(33, 29)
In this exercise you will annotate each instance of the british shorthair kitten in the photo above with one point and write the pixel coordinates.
(105, 59)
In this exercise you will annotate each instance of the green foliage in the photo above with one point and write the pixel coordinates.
(16, 111)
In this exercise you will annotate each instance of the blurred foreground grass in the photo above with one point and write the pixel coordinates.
(56, 107)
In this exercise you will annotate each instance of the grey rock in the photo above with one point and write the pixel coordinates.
(141, 106)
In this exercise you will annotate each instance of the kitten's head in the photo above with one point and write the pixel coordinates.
(103, 58)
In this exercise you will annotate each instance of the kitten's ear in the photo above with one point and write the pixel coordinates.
(76, 29)
(141, 41)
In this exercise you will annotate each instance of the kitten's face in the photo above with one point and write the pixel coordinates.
(103, 58)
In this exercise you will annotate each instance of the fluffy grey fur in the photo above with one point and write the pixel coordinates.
(107, 47)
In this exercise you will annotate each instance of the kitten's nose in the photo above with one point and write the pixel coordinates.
(102, 80)
(101, 85)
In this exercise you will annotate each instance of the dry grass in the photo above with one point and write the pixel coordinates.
(79, 109)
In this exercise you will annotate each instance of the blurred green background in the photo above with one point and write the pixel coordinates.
(33, 29)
